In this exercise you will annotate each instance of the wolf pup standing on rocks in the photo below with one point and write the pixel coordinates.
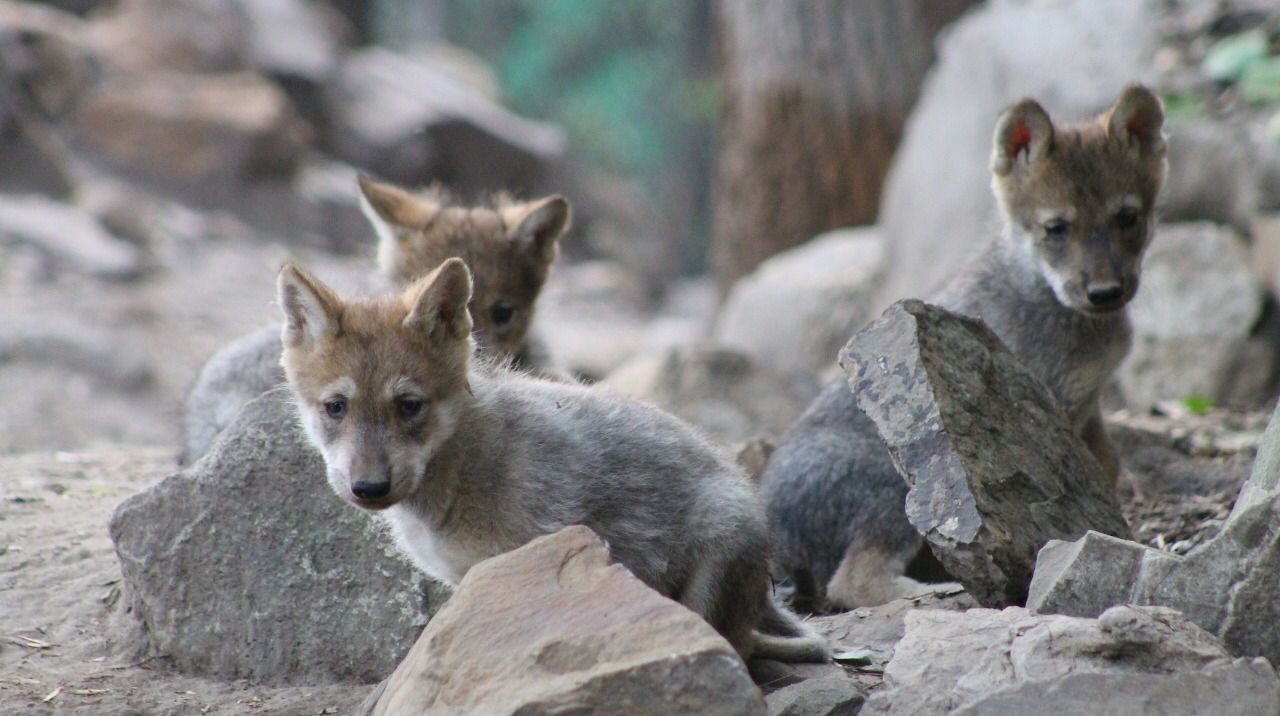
(510, 245)
(467, 463)
(1077, 203)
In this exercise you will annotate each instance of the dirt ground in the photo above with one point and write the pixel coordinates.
(60, 611)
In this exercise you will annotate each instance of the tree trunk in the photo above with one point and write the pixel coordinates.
(816, 94)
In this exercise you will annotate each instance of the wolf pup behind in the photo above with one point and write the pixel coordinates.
(1077, 203)
(511, 246)
(468, 463)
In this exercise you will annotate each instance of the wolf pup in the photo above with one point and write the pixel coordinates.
(511, 246)
(1077, 203)
(469, 462)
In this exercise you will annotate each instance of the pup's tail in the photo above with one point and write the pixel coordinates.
(784, 637)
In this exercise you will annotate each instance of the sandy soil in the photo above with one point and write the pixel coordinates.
(60, 613)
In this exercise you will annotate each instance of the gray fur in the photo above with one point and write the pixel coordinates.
(832, 496)
(529, 457)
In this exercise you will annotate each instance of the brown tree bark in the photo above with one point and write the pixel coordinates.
(816, 94)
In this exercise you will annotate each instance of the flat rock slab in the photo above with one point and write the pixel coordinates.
(994, 466)
(1129, 660)
(246, 565)
(554, 628)
(1227, 586)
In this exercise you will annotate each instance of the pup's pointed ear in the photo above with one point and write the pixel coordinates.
(311, 309)
(1137, 119)
(541, 228)
(1024, 136)
(438, 301)
(392, 210)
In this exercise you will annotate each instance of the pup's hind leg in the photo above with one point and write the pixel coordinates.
(727, 593)
(870, 575)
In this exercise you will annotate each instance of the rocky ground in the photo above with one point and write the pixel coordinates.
(64, 624)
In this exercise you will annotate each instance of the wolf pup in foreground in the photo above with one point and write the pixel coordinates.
(1077, 203)
(469, 462)
(510, 245)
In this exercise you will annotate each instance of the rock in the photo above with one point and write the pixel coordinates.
(79, 348)
(1192, 317)
(1264, 482)
(868, 633)
(994, 466)
(280, 580)
(413, 121)
(291, 39)
(236, 374)
(199, 135)
(69, 235)
(596, 315)
(1212, 174)
(554, 627)
(1264, 254)
(185, 36)
(718, 390)
(795, 311)
(44, 70)
(1226, 586)
(1074, 56)
(827, 696)
(1129, 660)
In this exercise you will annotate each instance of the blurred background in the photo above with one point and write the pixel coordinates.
(752, 180)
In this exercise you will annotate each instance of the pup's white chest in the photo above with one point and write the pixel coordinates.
(445, 559)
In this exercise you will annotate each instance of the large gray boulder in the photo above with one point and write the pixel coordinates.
(1227, 586)
(995, 469)
(555, 627)
(1129, 660)
(795, 311)
(246, 565)
(236, 374)
(1073, 55)
(721, 391)
(1192, 317)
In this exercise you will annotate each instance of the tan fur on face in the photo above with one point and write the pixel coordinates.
(508, 245)
(1083, 175)
(413, 345)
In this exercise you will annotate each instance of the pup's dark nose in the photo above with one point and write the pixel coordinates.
(367, 490)
(1105, 295)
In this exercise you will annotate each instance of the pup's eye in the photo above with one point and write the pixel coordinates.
(501, 313)
(1056, 229)
(336, 408)
(1126, 218)
(408, 407)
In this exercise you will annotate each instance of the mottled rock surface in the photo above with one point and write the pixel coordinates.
(994, 466)
(1129, 660)
(599, 641)
(1227, 586)
(247, 565)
